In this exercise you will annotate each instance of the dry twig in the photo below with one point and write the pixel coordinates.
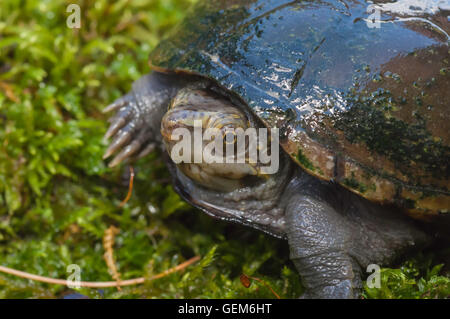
(108, 245)
(98, 284)
(9, 92)
(130, 188)
(245, 281)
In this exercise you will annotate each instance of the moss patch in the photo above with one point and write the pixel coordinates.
(305, 162)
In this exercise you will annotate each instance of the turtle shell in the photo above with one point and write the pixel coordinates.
(359, 91)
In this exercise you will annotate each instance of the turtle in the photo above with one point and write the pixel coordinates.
(357, 93)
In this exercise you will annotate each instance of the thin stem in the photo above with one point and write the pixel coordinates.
(130, 188)
(98, 284)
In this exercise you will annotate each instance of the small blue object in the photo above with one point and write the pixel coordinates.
(75, 295)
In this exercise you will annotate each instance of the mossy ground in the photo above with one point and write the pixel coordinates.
(57, 196)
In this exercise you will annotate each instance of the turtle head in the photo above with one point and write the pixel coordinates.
(210, 140)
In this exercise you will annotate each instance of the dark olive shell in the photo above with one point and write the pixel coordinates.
(358, 101)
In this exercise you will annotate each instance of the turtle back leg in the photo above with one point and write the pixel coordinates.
(334, 235)
(135, 129)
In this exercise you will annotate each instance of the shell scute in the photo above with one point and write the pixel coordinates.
(364, 107)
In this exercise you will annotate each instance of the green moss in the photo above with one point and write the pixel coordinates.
(416, 279)
(354, 184)
(304, 161)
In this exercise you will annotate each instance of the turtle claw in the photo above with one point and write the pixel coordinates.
(125, 130)
(115, 126)
(117, 122)
(121, 101)
(139, 147)
(147, 150)
(118, 142)
(127, 152)
(134, 129)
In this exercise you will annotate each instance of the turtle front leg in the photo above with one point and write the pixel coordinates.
(319, 243)
(334, 235)
(135, 129)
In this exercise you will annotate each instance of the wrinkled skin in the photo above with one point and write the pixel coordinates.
(333, 233)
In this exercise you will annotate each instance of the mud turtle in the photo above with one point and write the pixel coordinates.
(359, 95)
